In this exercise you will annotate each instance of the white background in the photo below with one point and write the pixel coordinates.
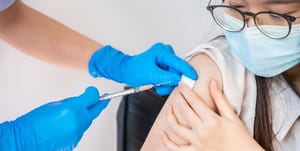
(131, 26)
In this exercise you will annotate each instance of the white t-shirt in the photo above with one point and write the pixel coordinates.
(5, 4)
(239, 87)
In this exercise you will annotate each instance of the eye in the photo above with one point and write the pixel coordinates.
(275, 17)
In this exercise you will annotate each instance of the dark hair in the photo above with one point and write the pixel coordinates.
(263, 129)
(263, 132)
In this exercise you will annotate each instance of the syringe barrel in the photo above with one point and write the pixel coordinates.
(120, 93)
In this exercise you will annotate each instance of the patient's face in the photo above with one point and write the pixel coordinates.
(288, 7)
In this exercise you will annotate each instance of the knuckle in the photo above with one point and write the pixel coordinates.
(209, 130)
(213, 124)
(204, 135)
(159, 44)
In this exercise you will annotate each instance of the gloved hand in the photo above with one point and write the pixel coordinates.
(53, 126)
(157, 65)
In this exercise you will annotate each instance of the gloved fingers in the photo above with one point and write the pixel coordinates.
(167, 67)
(164, 90)
(161, 46)
(163, 66)
(178, 65)
(174, 71)
(97, 108)
(169, 77)
(66, 100)
(170, 48)
(89, 97)
(166, 78)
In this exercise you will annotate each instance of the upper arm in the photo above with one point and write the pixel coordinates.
(207, 70)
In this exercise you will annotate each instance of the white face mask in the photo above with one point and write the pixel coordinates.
(262, 55)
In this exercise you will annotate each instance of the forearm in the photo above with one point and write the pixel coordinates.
(44, 38)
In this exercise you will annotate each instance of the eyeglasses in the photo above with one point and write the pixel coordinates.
(271, 24)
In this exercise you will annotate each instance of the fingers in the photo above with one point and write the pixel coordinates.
(169, 67)
(162, 47)
(170, 48)
(186, 112)
(167, 78)
(164, 90)
(178, 65)
(90, 100)
(169, 143)
(183, 133)
(167, 58)
(222, 104)
(89, 97)
(196, 103)
(97, 108)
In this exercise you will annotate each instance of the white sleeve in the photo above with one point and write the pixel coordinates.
(5, 4)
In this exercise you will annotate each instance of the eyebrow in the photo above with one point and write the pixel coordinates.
(280, 1)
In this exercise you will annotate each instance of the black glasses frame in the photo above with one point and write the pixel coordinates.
(288, 18)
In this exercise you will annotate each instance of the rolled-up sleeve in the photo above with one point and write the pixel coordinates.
(5, 4)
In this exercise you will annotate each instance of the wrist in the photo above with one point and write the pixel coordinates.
(24, 135)
(17, 135)
(7, 136)
(254, 146)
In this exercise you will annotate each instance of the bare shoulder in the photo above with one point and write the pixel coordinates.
(207, 70)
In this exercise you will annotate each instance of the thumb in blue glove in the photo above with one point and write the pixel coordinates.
(54, 126)
(157, 65)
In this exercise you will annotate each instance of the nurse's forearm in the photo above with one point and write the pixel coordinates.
(44, 38)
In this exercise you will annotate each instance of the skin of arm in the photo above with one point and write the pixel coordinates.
(206, 70)
(207, 130)
(39, 36)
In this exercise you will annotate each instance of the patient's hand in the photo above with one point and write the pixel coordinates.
(206, 70)
(207, 130)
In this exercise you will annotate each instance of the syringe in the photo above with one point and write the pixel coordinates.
(127, 92)
(184, 79)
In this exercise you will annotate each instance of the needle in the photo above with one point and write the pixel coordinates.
(129, 91)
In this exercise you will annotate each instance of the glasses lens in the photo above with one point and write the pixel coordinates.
(272, 25)
(228, 18)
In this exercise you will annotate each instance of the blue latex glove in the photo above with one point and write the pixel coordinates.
(157, 65)
(53, 126)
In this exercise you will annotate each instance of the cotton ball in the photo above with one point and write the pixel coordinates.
(189, 82)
